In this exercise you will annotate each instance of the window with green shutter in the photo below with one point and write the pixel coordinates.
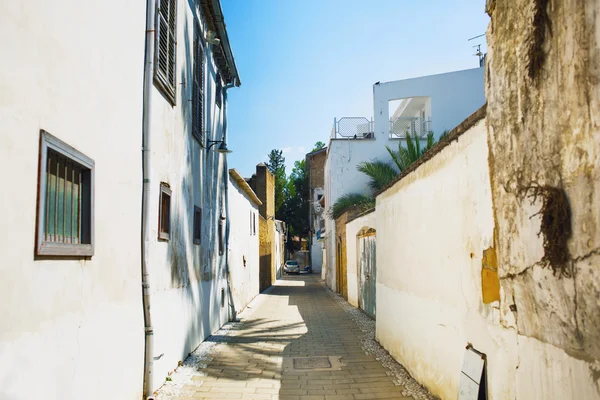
(165, 48)
(65, 200)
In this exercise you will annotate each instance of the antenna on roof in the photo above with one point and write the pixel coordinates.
(478, 52)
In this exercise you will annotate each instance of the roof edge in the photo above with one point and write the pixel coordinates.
(244, 186)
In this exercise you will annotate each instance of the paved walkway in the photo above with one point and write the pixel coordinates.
(295, 343)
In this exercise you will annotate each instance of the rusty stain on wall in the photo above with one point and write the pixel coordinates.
(490, 282)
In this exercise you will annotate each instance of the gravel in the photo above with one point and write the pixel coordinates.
(371, 347)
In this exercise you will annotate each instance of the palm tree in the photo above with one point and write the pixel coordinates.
(361, 201)
(380, 172)
(412, 152)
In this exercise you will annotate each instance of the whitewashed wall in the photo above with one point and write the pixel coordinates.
(243, 245)
(432, 227)
(72, 329)
(453, 96)
(187, 279)
(352, 229)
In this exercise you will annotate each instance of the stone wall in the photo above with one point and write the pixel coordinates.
(263, 184)
(543, 93)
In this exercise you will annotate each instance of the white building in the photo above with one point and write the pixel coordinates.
(243, 258)
(431, 103)
(70, 294)
(77, 104)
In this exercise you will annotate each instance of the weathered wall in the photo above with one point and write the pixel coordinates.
(432, 228)
(438, 285)
(340, 270)
(263, 184)
(316, 178)
(543, 92)
(353, 227)
(187, 279)
(72, 328)
(243, 257)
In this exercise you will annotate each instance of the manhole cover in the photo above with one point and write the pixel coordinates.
(312, 363)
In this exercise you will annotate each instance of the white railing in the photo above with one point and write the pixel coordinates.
(402, 126)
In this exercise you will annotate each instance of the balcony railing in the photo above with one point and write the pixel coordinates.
(402, 126)
(352, 128)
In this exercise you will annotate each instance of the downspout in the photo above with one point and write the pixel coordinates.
(232, 312)
(146, 191)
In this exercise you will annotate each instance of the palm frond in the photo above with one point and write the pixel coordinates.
(379, 172)
(362, 201)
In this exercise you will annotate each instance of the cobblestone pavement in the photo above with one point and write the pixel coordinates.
(296, 342)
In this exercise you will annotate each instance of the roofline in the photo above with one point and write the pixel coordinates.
(244, 186)
(312, 153)
(219, 21)
(427, 76)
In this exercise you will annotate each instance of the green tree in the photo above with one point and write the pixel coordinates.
(405, 156)
(318, 146)
(276, 165)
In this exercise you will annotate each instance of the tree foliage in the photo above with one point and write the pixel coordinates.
(362, 202)
(318, 146)
(276, 166)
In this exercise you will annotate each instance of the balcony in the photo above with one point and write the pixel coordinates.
(352, 128)
(400, 127)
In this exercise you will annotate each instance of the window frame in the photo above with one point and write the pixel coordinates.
(164, 235)
(161, 80)
(42, 247)
(197, 235)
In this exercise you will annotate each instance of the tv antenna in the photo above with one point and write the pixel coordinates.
(478, 52)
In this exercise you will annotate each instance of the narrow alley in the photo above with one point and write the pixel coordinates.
(297, 340)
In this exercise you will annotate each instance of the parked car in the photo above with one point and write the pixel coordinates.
(291, 267)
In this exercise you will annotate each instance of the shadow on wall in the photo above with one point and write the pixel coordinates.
(194, 268)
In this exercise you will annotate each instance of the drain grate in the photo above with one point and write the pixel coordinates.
(312, 363)
(324, 363)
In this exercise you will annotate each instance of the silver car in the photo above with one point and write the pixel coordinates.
(291, 267)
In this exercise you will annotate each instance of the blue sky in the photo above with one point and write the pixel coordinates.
(304, 62)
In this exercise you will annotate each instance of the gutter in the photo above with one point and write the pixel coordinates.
(146, 191)
(219, 21)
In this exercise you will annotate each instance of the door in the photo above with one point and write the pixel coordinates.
(367, 271)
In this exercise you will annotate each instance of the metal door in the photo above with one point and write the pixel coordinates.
(368, 271)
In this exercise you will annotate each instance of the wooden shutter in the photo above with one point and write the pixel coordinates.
(198, 87)
(166, 48)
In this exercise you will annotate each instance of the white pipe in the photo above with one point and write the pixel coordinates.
(146, 191)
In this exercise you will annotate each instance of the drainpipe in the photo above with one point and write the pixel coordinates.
(146, 191)
(232, 312)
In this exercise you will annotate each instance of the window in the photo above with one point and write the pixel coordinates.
(65, 217)
(198, 87)
(219, 91)
(164, 213)
(197, 225)
(165, 48)
(254, 223)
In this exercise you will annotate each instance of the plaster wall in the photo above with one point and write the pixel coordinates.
(453, 96)
(430, 287)
(243, 255)
(187, 279)
(72, 328)
(352, 228)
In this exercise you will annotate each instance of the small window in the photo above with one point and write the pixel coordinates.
(197, 225)
(219, 91)
(65, 200)
(254, 223)
(198, 87)
(165, 48)
(221, 235)
(164, 214)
